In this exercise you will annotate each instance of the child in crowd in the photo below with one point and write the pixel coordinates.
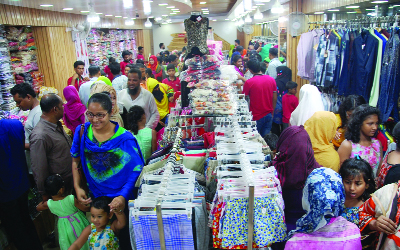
(146, 137)
(358, 184)
(271, 139)
(71, 221)
(101, 234)
(289, 102)
(172, 80)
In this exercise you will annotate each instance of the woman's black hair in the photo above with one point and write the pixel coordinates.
(135, 114)
(111, 60)
(236, 58)
(396, 135)
(53, 184)
(102, 203)
(170, 66)
(357, 118)
(149, 72)
(349, 103)
(354, 167)
(103, 99)
(139, 61)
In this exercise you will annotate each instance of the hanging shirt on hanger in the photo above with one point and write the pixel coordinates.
(344, 72)
(373, 101)
(362, 65)
(322, 54)
(306, 54)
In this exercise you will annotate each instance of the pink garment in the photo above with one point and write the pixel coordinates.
(371, 154)
(339, 234)
(175, 84)
(238, 70)
(74, 110)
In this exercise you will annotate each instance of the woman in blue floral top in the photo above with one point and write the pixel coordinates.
(358, 184)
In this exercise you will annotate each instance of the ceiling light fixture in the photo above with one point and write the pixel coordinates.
(214, 20)
(277, 7)
(164, 15)
(334, 10)
(248, 19)
(203, 2)
(129, 22)
(92, 17)
(164, 23)
(204, 8)
(125, 17)
(240, 22)
(177, 11)
(351, 12)
(68, 8)
(118, 16)
(133, 18)
(370, 9)
(127, 4)
(318, 12)
(85, 11)
(226, 19)
(205, 13)
(174, 9)
(260, 4)
(158, 19)
(258, 15)
(146, 7)
(382, 1)
(108, 15)
(148, 24)
(173, 13)
(170, 7)
(99, 13)
(247, 4)
(162, 4)
(352, 7)
(46, 5)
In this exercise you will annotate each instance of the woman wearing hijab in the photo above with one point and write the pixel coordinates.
(321, 128)
(309, 103)
(321, 226)
(110, 91)
(74, 110)
(163, 94)
(155, 68)
(283, 75)
(294, 161)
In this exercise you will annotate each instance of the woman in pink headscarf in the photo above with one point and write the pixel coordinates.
(74, 110)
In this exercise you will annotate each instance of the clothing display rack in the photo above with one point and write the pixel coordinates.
(364, 22)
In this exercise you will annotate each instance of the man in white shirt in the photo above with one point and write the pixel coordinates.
(84, 90)
(135, 95)
(274, 63)
(120, 81)
(25, 97)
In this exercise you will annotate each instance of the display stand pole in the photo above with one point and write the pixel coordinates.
(250, 223)
(160, 226)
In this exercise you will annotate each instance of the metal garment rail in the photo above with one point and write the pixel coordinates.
(167, 172)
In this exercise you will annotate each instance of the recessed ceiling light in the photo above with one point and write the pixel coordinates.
(382, 1)
(214, 20)
(334, 10)
(396, 6)
(205, 13)
(108, 15)
(164, 15)
(125, 17)
(150, 16)
(352, 7)
(204, 8)
(118, 16)
(68, 8)
(99, 13)
(319, 12)
(370, 9)
(133, 18)
(164, 23)
(46, 5)
(260, 4)
(173, 13)
(85, 11)
(162, 4)
(226, 19)
(351, 12)
(203, 2)
(174, 9)
(170, 7)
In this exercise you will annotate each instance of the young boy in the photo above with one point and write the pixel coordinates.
(172, 80)
(140, 53)
(289, 102)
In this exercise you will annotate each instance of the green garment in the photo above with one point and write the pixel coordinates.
(231, 50)
(144, 138)
(105, 79)
(63, 209)
(119, 132)
(264, 53)
(373, 100)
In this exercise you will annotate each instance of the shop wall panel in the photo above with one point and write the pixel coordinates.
(144, 38)
(15, 15)
(311, 6)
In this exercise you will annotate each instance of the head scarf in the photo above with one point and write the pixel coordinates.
(309, 103)
(74, 110)
(231, 50)
(294, 160)
(160, 95)
(323, 199)
(101, 87)
(153, 67)
(283, 75)
(321, 128)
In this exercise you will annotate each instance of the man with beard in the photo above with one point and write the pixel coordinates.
(135, 95)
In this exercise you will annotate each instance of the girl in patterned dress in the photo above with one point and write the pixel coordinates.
(358, 184)
(101, 234)
(361, 129)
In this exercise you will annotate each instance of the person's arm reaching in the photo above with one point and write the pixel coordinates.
(82, 239)
(154, 115)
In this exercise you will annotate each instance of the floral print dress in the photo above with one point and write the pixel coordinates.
(104, 240)
(371, 154)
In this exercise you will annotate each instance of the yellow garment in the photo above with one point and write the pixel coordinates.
(163, 106)
(105, 79)
(342, 131)
(321, 128)
(101, 87)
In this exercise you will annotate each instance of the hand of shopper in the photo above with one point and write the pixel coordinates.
(75, 76)
(82, 197)
(162, 123)
(86, 78)
(383, 224)
(117, 204)
(337, 136)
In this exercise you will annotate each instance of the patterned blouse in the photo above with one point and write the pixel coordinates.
(351, 214)
(371, 154)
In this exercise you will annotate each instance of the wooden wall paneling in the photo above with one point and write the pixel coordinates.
(146, 42)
